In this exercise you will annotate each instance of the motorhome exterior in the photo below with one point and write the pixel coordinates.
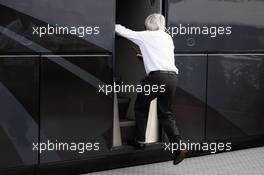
(49, 81)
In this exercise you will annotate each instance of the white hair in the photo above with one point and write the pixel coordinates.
(155, 21)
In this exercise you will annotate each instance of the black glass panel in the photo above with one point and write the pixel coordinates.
(189, 105)
(19, 110)
(73, 111)
(204, 25)
(56, 26)
(235, 96)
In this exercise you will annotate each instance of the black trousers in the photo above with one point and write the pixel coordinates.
(164, 105)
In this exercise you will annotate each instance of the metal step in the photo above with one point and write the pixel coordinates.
(127, 122)
(123, 105)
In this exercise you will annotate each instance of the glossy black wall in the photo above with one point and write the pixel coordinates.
(232, 82)
(190, 99)
(18, 18)
(72, 109)
(41, 91)
(235, 97)
(244, 18)
(19, 112)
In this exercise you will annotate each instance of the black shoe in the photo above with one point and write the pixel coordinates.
(136, 144)
(179, 156)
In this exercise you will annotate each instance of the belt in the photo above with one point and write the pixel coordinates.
(162, 72)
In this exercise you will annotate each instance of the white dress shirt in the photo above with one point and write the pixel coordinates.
(156, 47)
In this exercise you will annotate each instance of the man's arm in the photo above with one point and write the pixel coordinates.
(127, 33)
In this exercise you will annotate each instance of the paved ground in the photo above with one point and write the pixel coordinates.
(242, 162)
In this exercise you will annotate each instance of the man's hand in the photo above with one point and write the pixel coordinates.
(139, 55)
